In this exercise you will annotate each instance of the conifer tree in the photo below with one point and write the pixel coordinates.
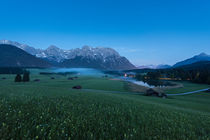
(18, 78)
(26, 76)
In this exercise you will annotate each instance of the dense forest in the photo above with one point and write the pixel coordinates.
(11, 70)
(201, 75)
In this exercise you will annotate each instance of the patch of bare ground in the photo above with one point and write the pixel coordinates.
(175, 85)
(135, 88)
(115, 79)
(142, 89)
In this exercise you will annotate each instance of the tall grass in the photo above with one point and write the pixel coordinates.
(49, 109)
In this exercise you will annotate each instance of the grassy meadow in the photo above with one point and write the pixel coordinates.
(187, 87)
(51, 109)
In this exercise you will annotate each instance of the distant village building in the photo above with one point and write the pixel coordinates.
(130, 74)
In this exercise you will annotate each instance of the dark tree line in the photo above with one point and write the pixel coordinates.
(195, 75)
(11, 70)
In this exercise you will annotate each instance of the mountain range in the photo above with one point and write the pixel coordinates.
(86, 57)
(195, 59)
(89, 57)
(161, 66)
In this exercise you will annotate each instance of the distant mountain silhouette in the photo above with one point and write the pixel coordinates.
(197, 58)
(161, 66)
(147, 67)
(11, 56)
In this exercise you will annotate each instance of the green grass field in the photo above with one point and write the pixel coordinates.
(50, 109)
(187, 87)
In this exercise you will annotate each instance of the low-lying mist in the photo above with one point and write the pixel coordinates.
(76, 71)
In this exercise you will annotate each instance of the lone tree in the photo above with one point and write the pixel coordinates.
(18, 78)
(26, 77)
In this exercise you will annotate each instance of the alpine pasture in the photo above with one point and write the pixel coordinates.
(51, 109)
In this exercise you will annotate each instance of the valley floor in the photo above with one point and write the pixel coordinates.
(51, 109)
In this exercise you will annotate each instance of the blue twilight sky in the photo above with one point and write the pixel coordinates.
(145, 31)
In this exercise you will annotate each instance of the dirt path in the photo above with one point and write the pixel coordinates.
(106, 91)
(187, 93)
(138, 93)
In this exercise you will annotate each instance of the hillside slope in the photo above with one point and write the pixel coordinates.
(89, 57)
(197, 58)
(197, 65)
(11, 56)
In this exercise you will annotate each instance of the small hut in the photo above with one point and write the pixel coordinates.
(152, 92)
(208, 90)
(37, 80)
(77, 87)
(70, 78)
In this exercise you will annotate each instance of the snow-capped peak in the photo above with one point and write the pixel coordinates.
(93, 57)
(56, 54)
